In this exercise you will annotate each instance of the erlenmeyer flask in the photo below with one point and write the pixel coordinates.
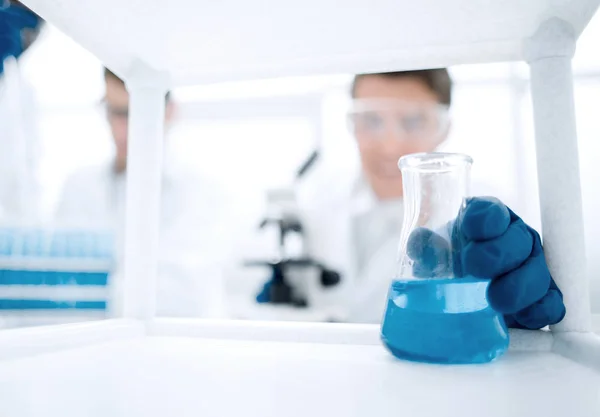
(433, 313)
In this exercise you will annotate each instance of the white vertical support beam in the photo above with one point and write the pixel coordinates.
(549, 54)
(147, 90)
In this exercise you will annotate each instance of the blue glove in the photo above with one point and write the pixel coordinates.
(490, 241)
(264, 296)
(13, 19)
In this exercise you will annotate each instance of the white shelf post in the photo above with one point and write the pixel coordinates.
(549, 53)
(147, 90)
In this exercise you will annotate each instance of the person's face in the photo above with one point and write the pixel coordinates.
(394, 117)
(117, 111)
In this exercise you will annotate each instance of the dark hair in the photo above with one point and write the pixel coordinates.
(438, 80)
(109, 74)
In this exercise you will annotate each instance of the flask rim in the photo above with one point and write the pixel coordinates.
(434, 161)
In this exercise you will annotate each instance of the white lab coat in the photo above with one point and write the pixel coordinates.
(20, 189)
(349, 230)
(19, 151)
(193, 240)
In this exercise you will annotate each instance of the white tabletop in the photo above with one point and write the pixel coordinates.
(171, 376)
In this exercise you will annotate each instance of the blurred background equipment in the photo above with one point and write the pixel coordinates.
(247, 123)
(295, 274)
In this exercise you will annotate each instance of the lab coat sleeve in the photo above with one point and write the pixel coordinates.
(19, 156)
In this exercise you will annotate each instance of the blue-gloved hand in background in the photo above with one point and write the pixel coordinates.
(264, 296)
(490, 241)
(19, 27)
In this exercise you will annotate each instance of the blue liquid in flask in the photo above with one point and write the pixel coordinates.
(443, 321)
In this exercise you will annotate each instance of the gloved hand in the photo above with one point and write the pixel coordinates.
(490, 241)
(13, 41)
(264, 296)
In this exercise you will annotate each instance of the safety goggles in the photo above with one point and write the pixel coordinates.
(376, 119)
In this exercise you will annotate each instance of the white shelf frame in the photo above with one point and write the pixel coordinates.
(549, 52)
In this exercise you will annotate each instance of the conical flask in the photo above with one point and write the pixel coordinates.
(434, 313)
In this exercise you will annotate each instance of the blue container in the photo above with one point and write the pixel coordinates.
(443, 321)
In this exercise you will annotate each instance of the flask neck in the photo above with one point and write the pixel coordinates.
(435, 188)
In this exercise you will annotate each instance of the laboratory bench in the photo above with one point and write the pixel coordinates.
(190, 368)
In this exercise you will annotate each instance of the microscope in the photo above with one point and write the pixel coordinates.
(292, 269)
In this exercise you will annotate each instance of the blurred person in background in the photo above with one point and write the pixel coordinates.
(192, 244)
(354, 226)
(19, 186)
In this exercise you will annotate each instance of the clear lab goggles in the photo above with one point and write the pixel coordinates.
(405, 119)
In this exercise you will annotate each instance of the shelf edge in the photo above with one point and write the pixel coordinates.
(30, 341)
(583, 348)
